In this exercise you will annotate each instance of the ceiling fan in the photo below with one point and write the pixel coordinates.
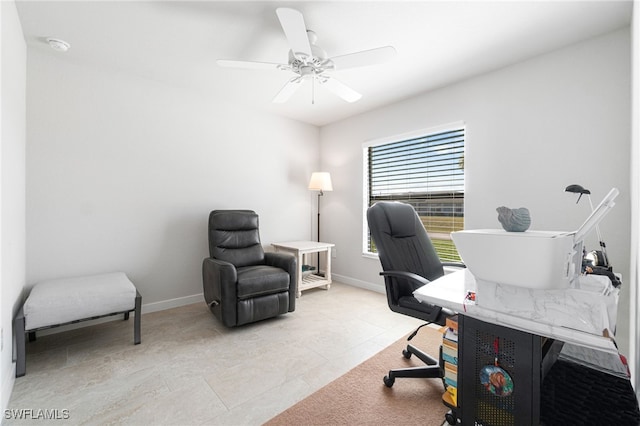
(310, 62)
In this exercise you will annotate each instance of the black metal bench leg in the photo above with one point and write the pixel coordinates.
(137, 320)
(126, 316)
(21, 358)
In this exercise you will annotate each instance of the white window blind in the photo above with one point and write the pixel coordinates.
(428, 173)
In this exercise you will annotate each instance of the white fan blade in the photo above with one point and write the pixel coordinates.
(250, 65)
(295, 30)
(340, 89)
(289, 89)
(364, 58)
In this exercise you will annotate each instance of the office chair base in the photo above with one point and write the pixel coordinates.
(425, 372)
(388, 381)
(423, 356)
(430, 371)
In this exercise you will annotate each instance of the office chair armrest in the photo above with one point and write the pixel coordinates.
(408, 275)
(454, 264)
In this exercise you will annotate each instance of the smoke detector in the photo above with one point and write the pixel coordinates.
(58, 45)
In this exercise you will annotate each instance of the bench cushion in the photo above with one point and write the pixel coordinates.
(64, 300)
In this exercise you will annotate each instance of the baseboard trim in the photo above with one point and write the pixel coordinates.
(357, 283)
(172, 303)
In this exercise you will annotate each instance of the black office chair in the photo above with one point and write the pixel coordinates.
(409, 261)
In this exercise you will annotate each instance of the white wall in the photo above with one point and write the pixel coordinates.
(531, 129)
(123, 172)
(12, 188)
(634, 276)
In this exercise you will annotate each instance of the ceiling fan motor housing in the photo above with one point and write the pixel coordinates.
(314, 65)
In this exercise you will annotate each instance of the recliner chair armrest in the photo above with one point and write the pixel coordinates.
(288, 262)
(284, 261)
(220, 280)
(281, 260)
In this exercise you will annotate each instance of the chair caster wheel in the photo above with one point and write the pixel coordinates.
(406, 354)
(388, 381)
(450, 418)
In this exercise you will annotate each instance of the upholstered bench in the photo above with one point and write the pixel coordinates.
(70, 300)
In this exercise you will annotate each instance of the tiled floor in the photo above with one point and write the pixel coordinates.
(190, 369)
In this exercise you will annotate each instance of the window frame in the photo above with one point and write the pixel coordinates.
(387, 140)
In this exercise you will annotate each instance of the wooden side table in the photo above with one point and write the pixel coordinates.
(308, 279)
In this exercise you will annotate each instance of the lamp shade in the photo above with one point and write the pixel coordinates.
(320, 181)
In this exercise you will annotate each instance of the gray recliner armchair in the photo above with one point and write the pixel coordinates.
(243, 284)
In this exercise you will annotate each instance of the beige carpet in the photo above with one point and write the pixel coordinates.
(360, 397)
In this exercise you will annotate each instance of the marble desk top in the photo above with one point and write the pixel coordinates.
(452, 290)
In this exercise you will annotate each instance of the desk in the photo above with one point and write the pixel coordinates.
(308, 279)
(529, 341)
(451, 291)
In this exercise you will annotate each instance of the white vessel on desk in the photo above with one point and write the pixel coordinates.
(501, 257)
(556, 301)
(557, 294)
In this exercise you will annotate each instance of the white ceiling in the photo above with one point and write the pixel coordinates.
(438, 42)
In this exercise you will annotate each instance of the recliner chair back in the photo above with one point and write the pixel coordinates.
(235, 238)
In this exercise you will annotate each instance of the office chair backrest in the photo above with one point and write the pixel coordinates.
(402, 242)
(234, 237)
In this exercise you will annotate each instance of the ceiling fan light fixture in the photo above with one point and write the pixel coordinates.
(58, 45)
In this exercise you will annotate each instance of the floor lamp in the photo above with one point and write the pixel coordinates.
(320, 181)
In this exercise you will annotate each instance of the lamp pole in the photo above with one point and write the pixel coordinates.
(320, 194)
(320, 181)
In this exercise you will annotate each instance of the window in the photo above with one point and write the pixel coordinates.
(426, 171)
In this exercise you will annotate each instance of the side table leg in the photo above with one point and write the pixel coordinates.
(299, 278)
(327, 273)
